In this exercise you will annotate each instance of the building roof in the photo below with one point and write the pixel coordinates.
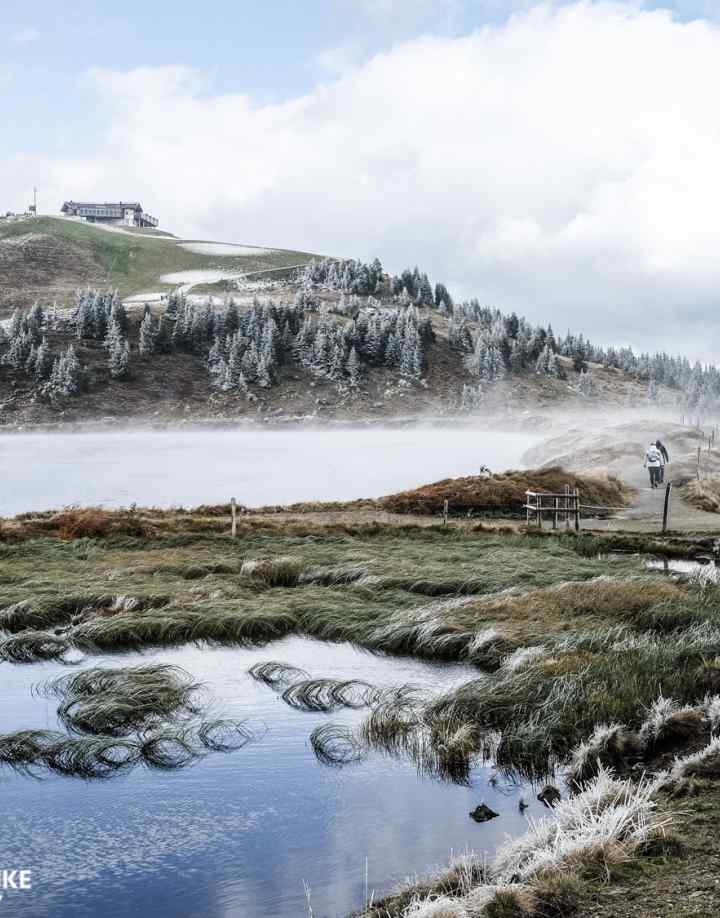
(136, 205)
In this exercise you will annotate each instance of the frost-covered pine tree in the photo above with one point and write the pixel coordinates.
(147, 341)
(65, 375)
(118, 352)
(543, 362)
(585, 385)
(352, 367)
(263, 374)
(43, 361)
(118, 315)
(85, 319)
(554, 367)
(16, 321)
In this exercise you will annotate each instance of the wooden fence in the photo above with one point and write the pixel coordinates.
(566, 508)
(560, 507)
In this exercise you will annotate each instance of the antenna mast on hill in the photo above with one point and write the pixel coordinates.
(33, 206)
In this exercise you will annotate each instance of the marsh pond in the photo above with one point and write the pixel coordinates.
(242, 833)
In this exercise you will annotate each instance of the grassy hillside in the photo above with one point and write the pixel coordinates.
(48, 258)
(504, 493)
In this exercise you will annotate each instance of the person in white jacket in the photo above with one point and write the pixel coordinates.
(654, 463)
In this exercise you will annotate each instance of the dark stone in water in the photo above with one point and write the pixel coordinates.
(549, 795)
(483, 813)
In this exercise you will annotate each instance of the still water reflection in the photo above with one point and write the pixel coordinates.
(236, 835)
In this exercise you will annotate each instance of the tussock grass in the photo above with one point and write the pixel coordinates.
(118, 702)
(705, 763)
(335, 744)
(703, 494)
(33, 646)
(170, 626)
(225, 735)
(46, 612)
(274, 674)
(670, 724)
(274, 572)
(329, 694)
(122, 718)
(608, 745)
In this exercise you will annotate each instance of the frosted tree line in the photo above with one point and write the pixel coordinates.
(347, 318)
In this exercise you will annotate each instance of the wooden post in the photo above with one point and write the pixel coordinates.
(540, 510)
(233, 510)
(577, 510)
(445, 512)
(666, 507)
(698, 464)
(567, 506)
(555, 513)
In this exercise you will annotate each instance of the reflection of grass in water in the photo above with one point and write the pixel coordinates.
(329, 694)
(122, 717)
(274, 673)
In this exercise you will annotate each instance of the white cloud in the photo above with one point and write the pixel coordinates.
(25, 36)
(563, 164)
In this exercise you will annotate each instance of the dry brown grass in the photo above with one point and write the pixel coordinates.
(703, 494)
(505, 493)
(570, 606)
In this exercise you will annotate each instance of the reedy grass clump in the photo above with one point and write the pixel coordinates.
(703, 764)
(336, 744)
(33, 752)
(171, 625)
(330, 694)
(274, 673)
(32, 646)
(274, 572)
(38, 614)
(118, 702)
(122, 718)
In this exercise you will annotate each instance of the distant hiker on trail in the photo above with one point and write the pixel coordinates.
(653, 463)
(665, 457)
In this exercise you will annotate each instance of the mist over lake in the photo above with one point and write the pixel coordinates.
(192, 467)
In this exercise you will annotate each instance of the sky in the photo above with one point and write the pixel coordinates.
(559, 159)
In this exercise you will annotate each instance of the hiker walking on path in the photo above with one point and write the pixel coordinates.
(653, 463)
(665, 459)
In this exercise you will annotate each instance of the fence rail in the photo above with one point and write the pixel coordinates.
(559, 506)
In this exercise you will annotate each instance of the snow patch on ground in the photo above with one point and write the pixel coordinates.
(224, 249)
(192, 278)
(145, 298)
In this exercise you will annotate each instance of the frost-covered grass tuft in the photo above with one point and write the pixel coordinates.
(702, 764)
(605, 740)
(712, 712)
(607, 818)
(437, 907)
(524, 656)
(667, 718)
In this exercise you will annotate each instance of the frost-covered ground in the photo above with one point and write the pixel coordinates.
(224, 249)
(188, 279)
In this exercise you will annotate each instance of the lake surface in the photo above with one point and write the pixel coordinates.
(191, 467)
(235, 835)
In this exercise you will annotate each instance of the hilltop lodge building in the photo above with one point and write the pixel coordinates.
(122, 213)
